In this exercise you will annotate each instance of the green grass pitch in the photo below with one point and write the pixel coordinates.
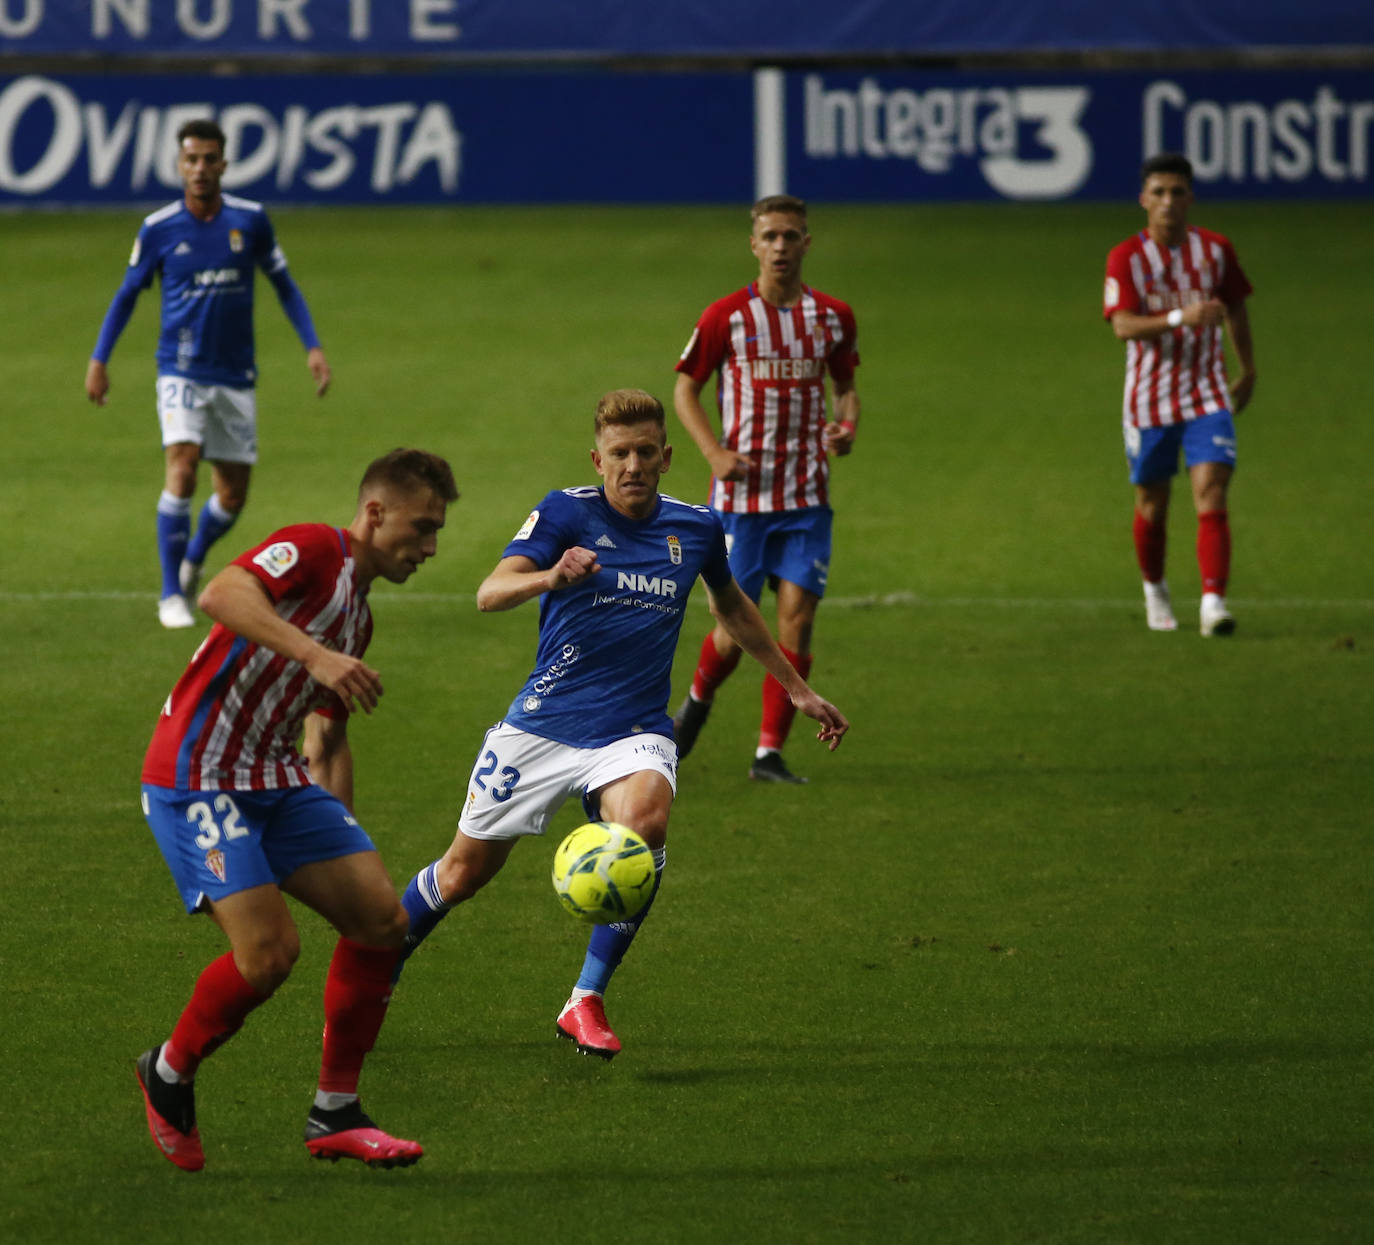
(1070, 942)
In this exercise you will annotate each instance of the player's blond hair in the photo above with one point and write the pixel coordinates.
(628, 406)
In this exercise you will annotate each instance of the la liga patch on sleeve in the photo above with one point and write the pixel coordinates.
(277, 558)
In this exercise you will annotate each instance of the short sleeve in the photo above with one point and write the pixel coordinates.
(705, 349)
(296, 559)
(545, 534)
(1119, 292)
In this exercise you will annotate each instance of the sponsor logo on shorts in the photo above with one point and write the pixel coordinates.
(214, 861)
(278, 558)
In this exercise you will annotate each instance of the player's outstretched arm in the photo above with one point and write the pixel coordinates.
(519, 579)
(237, 600)
(741, 618)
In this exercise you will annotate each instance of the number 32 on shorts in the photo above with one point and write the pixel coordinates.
(229, 822)
(509, 776)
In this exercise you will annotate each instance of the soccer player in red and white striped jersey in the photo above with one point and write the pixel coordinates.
(243, 817)
(1169, 290)
(773, 344)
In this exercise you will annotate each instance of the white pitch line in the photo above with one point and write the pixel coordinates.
(884, 600)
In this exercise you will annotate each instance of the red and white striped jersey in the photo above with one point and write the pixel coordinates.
(1180, 374)
(771, 392)
(235, 717)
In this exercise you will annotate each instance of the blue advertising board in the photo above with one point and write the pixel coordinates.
(601, 28)
(598, 136)
(902, 135)
(474, 138)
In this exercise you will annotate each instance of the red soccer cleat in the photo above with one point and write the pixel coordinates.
(584, 1022)
(171, 1114)
(347, 1133)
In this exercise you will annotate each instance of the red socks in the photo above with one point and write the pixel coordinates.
(356, 995)
(219, 1005)
(1149, 547)
(778, 710)
(712, 670)
(1214, 550)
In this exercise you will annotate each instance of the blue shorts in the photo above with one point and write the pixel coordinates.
(1153, 452)
(792, 544)
(217, 843)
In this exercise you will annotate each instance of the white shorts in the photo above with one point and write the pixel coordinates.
(520, 780)
(221, 419)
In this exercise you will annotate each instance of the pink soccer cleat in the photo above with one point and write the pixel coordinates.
(584, 1021)
(347, 1133)
(171, 1114)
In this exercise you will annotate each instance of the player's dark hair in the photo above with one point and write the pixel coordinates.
(1167, 162)
(778, 203)
(628, 406)
(201, 127)
(409, 470)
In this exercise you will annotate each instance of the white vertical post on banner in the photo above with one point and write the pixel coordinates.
(770, 133)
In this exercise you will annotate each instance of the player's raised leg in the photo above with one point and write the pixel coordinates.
(217, 516)
(641, 801)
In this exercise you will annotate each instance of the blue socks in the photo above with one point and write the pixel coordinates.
(214, 521)
(608, 943)
(173, 533)
(423, 905)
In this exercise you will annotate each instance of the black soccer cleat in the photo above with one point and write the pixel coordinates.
(771, 768)
(687, 723)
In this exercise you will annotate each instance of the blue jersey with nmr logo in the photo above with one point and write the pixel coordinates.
(604, 666)
(206, 268)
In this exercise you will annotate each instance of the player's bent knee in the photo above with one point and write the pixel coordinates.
(386, 929)
(268, 963)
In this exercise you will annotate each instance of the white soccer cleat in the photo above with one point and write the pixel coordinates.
(1214, 617)
(188, 575)
(174, 612)
(1159, 611)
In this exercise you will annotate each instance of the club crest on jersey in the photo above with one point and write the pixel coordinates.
(528, 527)
(278, 558)
(214, 861)
(674, 551)
(235, 240)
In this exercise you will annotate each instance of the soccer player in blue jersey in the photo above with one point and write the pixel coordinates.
(612, 568)
(203, 248)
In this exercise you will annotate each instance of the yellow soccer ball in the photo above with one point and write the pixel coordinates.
(603, 873)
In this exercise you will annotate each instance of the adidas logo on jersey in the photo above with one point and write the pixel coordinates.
(604, 542)
(182, 248)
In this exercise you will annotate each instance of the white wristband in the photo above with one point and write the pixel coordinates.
(1175, 317)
